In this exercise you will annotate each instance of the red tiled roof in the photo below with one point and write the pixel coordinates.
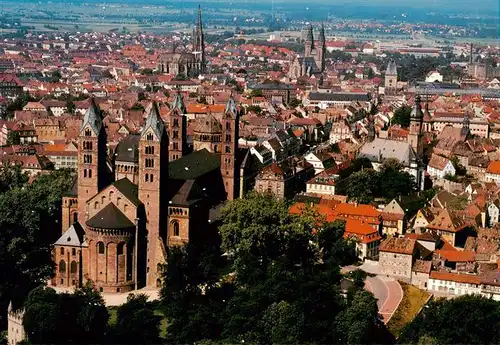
(455, 277)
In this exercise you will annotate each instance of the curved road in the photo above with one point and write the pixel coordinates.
(388, 293)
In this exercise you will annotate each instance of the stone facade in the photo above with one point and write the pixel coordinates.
(15, 329)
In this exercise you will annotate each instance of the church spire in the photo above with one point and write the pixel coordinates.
(92, 118)
(154, 122)
(322, 34)
(178, 104)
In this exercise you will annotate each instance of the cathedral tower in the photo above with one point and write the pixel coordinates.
(309, 45)
(199, 42)
(391, 77)
(415, 135)
(177, 129)
(229, 150)
(321, 50)
(92, 171)
(153, 175)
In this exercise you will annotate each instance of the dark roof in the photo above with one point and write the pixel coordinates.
(340, 96)
(110, 217)
(270, 86)
(73, 191)
(194, 165)
(307, 199)
(127, 150)
(188, 194)
(128, 189)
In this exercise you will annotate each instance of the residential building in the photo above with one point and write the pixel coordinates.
(439, 167)
(493, 172)
(320, 161)
(323, 183)
(396, 257)
(451, 226)
(367, 238)
(393, 219)
(493, 212)
(454, 283)
(62, 155)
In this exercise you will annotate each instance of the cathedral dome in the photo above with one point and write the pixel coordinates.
(207, 125)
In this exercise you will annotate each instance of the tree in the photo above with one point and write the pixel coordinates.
(402, 116)
(13, 138)
(478, 317)
(181, 77)
(29, 215)
(294, 103)
(393, 181)
(256, 93)
(282, 285)
(51, 318)
(137, 322)
(361, 186)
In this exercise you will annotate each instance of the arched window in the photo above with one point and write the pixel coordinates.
(150, 177)
(75, 217)
(103, 199)
(100, 247)
(125, 208)
(90, 173)
(73, 267)
(228, 126)
(118, 201)
(96, 205)
(150, 163)
(62, 251)
(149, 136)
(146, 178)
(88, 132)
(87, 159)
(62, 266)
(119, 250)
(84, 172)
(176, 228)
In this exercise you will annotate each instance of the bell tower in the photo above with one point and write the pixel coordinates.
(321, 51)
(229, 150)
(153, 175)
(92, 175)
(415, 134)
(177, 129)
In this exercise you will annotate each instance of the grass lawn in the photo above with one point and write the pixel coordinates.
(412, 302)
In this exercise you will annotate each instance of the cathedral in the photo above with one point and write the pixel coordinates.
(187, 63)
(313, 61)
(128, 206)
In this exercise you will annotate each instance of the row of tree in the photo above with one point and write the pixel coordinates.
(82, 318)
(363, 184)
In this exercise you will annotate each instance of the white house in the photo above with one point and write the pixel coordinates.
(262, 153)
(434, 77)
(493, 212)
(323, 183)
(340, 131)
(493, 172)
(319, 160)
(439, 167)
(454, 283)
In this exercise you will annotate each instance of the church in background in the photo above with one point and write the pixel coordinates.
(313, 61)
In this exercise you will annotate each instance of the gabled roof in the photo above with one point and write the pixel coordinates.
(154, 122)
(177, 105)
(448, 221)
(110, 217)
(193, 165)
(438, 162)
(92, 118)
(398, 245)
(231, 110)
(128, 189)
(73, 237)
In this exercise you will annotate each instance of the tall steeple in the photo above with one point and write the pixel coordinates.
(199, 41)
(229, 153)
(416, 121)
(309, 46)
(465, 125)
(177, 128)
(321, 51)
(153, 175)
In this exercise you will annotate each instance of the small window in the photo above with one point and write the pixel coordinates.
(62, 266)
(119, 250)
(75, 217)
(100, 247)
(90, 173)
(151, 178)
(88, 132)
(73, 251)
(73, 267)
(149, 136)
(176, 229)
(62, 251)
